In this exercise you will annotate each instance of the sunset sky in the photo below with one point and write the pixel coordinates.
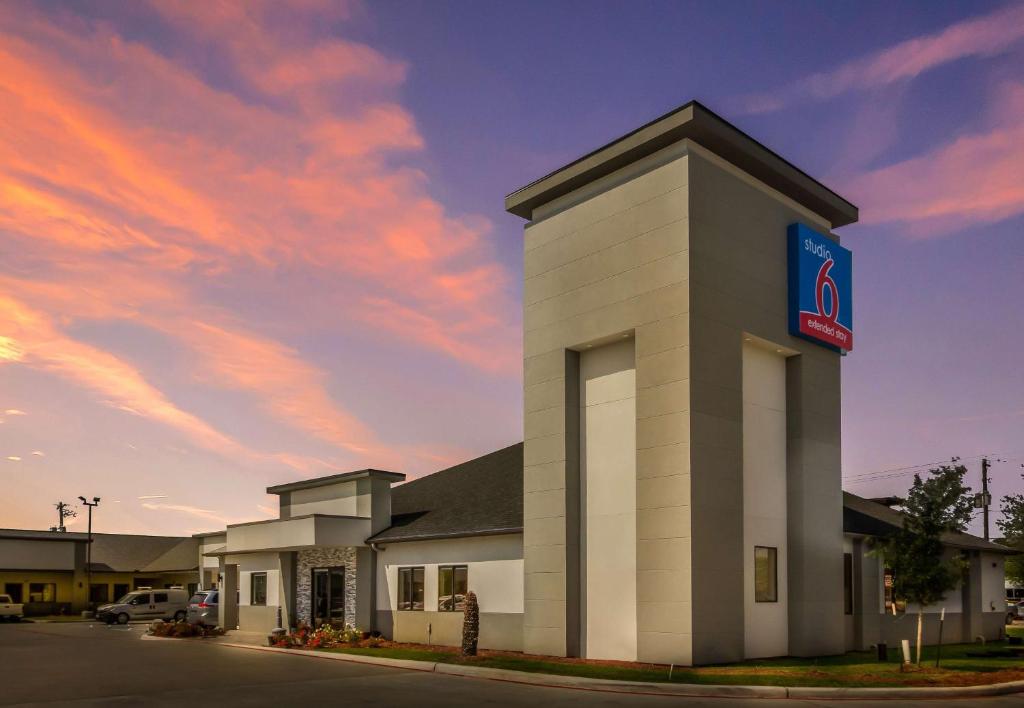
(247, 243)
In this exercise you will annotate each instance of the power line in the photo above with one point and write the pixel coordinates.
(911, 468)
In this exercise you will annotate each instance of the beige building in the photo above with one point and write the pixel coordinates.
(682, 498)
(462, 529)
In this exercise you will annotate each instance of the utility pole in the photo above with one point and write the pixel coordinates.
(985, 498)
(63, 512)
(88, 551)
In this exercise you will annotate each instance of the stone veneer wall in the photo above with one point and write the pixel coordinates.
(312, 558)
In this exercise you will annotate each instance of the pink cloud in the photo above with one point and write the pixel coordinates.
(983, 36)
(133, 189)
(975, 179)
(44, 347)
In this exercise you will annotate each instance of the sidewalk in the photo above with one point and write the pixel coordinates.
(249, 639)
(657, 689)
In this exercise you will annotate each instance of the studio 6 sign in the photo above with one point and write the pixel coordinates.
(820, 301)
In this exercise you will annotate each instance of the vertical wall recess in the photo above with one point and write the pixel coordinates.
(766, 625)
(607, 400)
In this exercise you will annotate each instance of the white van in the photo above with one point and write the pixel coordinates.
(166, 604)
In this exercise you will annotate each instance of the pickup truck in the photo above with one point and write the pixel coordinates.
(10, 610)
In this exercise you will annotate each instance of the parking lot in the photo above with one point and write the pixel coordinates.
(93, 664)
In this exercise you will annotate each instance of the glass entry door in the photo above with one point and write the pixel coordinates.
(328, 596)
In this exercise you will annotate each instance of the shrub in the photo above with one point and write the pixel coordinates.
(183, 630)
(470, 625)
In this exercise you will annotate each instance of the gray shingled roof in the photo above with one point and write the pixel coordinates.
(485, 497)
(869, 518)
(183, 555)
(476, 498)
(129, 553)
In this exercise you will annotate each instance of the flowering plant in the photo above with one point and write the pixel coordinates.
(323, 637)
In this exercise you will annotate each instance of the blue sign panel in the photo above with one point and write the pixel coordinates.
(820, 289)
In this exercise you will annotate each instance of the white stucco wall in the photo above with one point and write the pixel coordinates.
(993, 583)
(766, 624)
(953, 602)
(211, 544)
(342, 499)
(608, 489)
(257, 562)
(495, 570)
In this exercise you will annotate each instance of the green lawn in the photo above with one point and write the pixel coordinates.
(852, 669)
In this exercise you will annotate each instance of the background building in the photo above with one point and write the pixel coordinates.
(47, 570)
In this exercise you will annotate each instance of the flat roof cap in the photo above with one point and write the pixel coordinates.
(334, 478)
(696, 122)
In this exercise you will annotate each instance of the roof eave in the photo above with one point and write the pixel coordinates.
(696, 122)
(334, 479)
(381, 539)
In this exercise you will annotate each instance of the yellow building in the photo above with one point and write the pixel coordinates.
(48, 570)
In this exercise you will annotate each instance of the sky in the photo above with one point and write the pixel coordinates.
(247, 243)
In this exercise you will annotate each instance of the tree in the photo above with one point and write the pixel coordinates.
(1012, 526)
(470, 625)
(921, 573)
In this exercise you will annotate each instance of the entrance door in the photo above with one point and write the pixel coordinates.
(14, 590)
(328, 596)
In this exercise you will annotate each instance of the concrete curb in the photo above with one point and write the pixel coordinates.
(673, 690)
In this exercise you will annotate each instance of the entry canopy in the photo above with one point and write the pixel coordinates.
(296, 533)
(695, 122)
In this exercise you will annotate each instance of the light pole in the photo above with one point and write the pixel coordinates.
(88, 551)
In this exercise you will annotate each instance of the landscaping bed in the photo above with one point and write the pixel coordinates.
(860, 669)
(961, 664)
(182, 630)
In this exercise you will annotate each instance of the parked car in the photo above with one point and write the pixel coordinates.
(168, 604)
(202, 608)
(1014, 610)
(10, 610)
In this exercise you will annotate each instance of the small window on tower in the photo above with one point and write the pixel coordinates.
(766, 577)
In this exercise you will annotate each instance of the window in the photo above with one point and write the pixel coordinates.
(452, 584)
(98, 592)
(892, 605)
(14, 590)
(410, 588)
(140, 599)
(120, 590)
(258, 596)
(848, 583)
(159, 597)
(766, 587)
(42, 592)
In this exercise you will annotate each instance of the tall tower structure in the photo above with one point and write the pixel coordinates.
(682, 499)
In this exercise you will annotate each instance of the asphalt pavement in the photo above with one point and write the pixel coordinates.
(88, 664)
